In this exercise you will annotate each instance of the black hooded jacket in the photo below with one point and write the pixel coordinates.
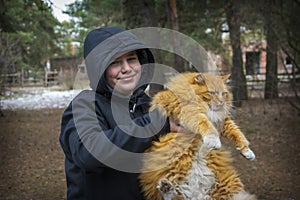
(103, 133)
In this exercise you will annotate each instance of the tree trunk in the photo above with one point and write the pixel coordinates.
(271, 84)
(172, 12)
(140, 13)
(239, 87)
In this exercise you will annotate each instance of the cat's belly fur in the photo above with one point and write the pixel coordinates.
(199, 179)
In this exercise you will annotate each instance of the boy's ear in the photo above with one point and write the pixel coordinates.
(225, 77)
(199, 78)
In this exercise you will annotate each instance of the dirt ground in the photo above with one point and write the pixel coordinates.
(32, 163)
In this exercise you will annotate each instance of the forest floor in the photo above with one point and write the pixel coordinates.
(32, 162)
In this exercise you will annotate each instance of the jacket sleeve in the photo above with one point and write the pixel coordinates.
(91, 144)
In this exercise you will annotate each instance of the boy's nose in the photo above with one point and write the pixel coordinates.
(125, 66)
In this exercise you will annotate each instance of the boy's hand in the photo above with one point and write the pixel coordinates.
(176, 127)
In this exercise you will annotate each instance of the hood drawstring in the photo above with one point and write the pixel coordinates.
(133, 108)
(134, 102)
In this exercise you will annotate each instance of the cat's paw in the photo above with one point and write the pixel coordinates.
(249, 154)
(166, 188)
(212, 141)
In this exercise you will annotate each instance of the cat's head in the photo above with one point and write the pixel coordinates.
(213, 90)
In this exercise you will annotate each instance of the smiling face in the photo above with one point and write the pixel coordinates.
(123, 74)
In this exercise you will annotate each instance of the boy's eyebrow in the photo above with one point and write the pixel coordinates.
(132, 53)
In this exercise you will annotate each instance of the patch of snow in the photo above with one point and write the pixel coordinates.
(40, 100)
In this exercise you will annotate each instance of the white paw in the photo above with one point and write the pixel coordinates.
(249, 155)
(167, 189)
(212, 141)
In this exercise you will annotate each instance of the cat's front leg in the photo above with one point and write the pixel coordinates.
(210, 135)
(247, 153)
(199, 124)
(232, 132)
(212, 141)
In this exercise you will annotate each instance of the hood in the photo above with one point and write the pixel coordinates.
(103, 45)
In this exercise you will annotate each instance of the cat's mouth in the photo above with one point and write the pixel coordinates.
(216, 107)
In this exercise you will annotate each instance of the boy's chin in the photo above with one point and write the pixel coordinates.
(125, 90)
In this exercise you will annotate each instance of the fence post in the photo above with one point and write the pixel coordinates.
(46, 78)
(22, 77)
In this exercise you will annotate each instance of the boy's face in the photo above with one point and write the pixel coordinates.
(123, 74)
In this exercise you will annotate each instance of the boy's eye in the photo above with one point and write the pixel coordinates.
(132, 59)
(116, 62)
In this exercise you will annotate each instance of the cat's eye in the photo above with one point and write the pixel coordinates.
(224, 94)
(212, 93)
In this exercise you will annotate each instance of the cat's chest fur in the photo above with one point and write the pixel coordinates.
(217, 118)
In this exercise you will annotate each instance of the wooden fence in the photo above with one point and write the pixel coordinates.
(46, 78)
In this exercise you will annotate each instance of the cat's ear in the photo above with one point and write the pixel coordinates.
(199, 78)
(225, 77)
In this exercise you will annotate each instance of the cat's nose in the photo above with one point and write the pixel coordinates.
(221, 103)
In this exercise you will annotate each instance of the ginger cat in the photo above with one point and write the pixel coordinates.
(190, 166)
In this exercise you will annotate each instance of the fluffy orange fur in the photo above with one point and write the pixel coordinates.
(185, 166)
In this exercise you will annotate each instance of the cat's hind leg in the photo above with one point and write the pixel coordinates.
(167, 189)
